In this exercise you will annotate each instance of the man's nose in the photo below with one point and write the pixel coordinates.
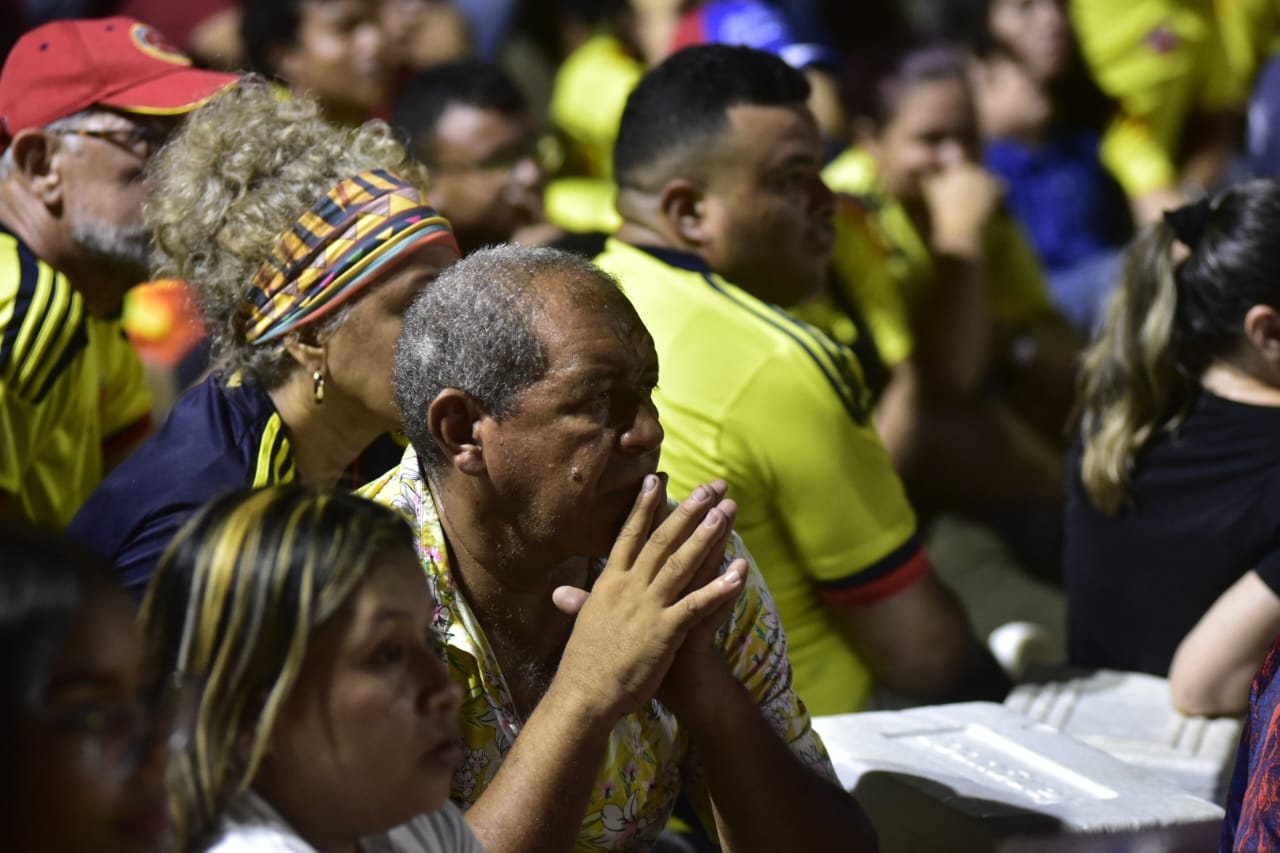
(822, 199)
(645, 433)
(527, 174)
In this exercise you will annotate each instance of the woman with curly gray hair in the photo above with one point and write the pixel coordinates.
(305, 242)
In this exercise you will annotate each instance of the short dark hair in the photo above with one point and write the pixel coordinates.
(469, 82)
(473, 329)
(265, 24)
(685, 100)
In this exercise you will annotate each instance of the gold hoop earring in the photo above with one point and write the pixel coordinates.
(317, 390)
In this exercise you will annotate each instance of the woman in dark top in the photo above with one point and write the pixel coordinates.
(1173, 517)
(305, 242)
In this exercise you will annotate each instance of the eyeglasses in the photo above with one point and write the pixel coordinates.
(116, 737)
(142, 141)
(546, 152)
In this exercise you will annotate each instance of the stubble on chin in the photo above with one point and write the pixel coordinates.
(122, 252)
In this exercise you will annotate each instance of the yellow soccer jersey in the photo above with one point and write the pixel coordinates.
(587, 100)
(1162, 61)
(70, 389)
(777, 409)
(887, 271)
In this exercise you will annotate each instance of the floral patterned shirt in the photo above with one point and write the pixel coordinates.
(648, 760)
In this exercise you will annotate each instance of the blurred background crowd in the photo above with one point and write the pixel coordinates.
(1028, 244)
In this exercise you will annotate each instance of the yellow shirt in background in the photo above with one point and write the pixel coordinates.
(587, 100)
(1164, 60)
(887, 271)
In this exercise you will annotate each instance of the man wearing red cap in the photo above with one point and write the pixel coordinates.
(82, 106)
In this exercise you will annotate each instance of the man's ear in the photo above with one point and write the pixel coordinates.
(684, 206)
(35, 154)
(457, 423)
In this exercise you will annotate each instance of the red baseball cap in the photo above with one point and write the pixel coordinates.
(63, 67)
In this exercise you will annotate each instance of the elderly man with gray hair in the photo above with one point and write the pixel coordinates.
(615, 652)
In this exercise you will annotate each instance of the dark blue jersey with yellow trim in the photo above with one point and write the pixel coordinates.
(223, 434)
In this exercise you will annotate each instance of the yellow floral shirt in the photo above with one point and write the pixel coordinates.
(649, 760)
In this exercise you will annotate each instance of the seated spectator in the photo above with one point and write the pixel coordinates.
(725, 219)
(332, 50)
(85, 726)
(981, 365)
(1179, 72)
(597, 691)
(1251, 824)
(469, 123)
(1173, 538)
(590, 89)
(327, 721)
(322, 238)
(83, 105)
(1042, 118)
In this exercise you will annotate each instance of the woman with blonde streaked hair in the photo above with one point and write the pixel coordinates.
(304, 242)
(1173, 517)
(328, 721)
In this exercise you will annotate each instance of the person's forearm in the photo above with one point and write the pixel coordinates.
(537, 800)
(753, 778)
(953, 338)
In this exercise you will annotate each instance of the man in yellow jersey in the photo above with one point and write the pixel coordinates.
(83, 104)
(725, 219)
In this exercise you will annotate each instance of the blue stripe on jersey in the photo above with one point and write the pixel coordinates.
(846, 387)
(28, 278)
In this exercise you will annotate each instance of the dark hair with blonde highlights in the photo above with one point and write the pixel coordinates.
(232, 607)
(239, 173)
(1167, 323)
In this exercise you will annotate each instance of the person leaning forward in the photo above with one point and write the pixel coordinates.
(614, 653)
(83, 105)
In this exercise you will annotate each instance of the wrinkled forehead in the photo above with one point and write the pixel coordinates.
(576, 307)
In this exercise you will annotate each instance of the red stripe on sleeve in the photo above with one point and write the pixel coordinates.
(910, 571)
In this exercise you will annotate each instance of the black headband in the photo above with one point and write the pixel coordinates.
(1188, 222)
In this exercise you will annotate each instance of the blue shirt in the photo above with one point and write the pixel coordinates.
(1252, 824)
(1062, 195)
(223, 434)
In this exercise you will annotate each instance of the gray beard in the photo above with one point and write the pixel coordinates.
(123, 250)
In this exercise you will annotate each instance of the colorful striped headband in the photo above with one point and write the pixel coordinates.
(344, 242)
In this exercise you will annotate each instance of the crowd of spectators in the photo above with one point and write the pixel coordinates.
(512, 421)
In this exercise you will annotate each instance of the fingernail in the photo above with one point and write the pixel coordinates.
(650, 483)
(712, 519)
(699, 495)
(733, 577)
